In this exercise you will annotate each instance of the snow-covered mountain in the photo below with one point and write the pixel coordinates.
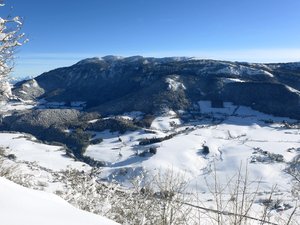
(113, 85)
(120, 124)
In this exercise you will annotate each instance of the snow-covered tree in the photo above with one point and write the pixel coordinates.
(10, 38)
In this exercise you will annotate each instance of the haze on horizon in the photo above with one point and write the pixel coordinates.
(64, 32)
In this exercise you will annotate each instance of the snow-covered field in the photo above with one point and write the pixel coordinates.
(239, 139)
(25, 148)
(214, 140)
(8, 107)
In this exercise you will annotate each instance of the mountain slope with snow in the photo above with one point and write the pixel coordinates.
(114, 85)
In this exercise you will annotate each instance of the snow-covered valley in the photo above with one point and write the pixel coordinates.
(202, 147)
(238, 135)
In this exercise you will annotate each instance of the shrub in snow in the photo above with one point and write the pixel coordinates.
(262, 156)
(96, 141)
(11, 157)
(205, 150)
(294, 170)
(153, 150)
(149, 152)
(11, 171)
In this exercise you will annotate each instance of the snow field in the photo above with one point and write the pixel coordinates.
(242, 136)
(20, 205)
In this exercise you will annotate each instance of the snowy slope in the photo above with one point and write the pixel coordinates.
(235, 137)
(19, 206)
(6, 107)
(48, 156)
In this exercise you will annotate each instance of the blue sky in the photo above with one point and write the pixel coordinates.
(62, 32)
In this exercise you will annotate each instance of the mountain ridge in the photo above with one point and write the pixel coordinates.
(114, 84)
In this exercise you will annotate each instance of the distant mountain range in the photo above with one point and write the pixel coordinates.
(114, 85)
